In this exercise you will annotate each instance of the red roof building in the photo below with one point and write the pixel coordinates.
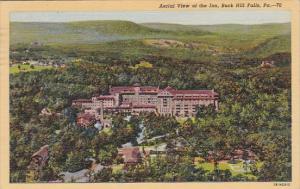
(85, 119)
(131, 155)
(39, 158)
(167, 101)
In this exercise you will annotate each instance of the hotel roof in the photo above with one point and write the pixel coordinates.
(133, 89)
(190, 92)
(82, 100)
(105, 97)
(151, 89)
(208, 92)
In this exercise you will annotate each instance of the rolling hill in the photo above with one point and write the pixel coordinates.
(278, 44)
(174, 40)
(90, 32)
(272, 28)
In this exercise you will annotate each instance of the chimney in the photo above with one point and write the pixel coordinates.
(101, 112)
(109, 88)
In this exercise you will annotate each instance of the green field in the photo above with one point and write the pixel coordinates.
(26, 68)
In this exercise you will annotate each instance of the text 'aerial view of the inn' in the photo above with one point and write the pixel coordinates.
(149, 96)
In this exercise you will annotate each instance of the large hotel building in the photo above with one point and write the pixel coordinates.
(136, 99)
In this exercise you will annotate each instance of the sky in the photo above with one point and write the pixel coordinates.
(188, 18)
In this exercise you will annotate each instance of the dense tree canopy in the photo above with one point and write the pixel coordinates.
(254, 114)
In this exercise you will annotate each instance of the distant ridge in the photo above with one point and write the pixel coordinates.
(116, 36)
(87, 32)
(279, 28)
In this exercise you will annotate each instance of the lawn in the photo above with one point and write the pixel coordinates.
(181, 120)
(26, 68)
(108, 131)
(210, 166)
(235, 169)
(117, 168)
(142, 64)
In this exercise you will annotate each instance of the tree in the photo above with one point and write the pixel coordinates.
(107, 155)
(105, 175)
(76, 161)
(203, 111)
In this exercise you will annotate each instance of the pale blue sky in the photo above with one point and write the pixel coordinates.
(190, 17)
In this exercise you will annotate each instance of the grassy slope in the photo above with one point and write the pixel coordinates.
(133, 48)
(276, 44)
(87, 32)
(128, 38)
(235, 169)
(232, 35)
(26, 68)
(275, 29)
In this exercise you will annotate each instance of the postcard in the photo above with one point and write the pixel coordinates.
(149, 94)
